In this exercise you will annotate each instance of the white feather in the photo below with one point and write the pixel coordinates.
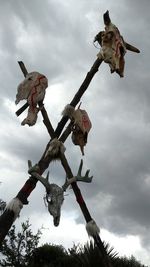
(92, 228)
(68, 111)
(15, 205)
(55, 148)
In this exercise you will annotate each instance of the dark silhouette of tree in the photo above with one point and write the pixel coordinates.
(127, 262)
(89, 254)
(18, 248)
(2, 205)
(21, 250)
(50, 255)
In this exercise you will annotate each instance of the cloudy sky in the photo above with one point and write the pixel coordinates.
(55, 37)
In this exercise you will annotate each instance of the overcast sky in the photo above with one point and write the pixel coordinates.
(55, 37)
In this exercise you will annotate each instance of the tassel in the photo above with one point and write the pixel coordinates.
(68, 111)
(15, 205)
(56, 147)
(92, 228)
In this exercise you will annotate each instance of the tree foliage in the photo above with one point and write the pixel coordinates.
(127, 262)
(90, 255)
(48, 255)
(17, 249)
(2, 206)
(21, 250)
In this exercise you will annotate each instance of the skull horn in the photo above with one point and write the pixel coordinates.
(131, 48)
(33, 170)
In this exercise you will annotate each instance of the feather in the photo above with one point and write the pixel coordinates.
(55, 148)
(15, 205)
(68, 111)
(92, 228)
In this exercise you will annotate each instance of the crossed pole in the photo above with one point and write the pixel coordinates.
(7, 218)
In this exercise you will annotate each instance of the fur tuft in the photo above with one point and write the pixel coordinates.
(56, 147)
(68, 111)
(92, 228)
(15, 205)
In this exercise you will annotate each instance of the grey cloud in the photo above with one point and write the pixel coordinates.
(56, 39)
(61, 34)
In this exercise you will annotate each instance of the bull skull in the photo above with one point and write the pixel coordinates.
(31, 116)
(113, 46)
(33, 89)
(81, 125)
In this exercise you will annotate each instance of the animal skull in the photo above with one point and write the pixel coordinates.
(113, 46)
(81, 125)
(81, 128)
(54, 193)
(55, 198)
(31, 116)
(33, 89)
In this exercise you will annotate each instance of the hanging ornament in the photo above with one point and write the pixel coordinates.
(33, 89)
(92, 228)
(54, 193)
(15, 205)
(81, 125)
(113, 46)
(55, 149)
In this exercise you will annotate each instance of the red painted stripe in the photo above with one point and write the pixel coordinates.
(80, 199)
(35, 89)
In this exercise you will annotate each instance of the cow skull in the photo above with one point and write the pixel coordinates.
(33, 89)
(113, 46)
(31, 116)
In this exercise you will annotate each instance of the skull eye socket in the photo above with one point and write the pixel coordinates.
(51, 202)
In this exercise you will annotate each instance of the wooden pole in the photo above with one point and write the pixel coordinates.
(84, 209)
(79, 94)
(43, 164)
(25, 72)
(6, 220)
